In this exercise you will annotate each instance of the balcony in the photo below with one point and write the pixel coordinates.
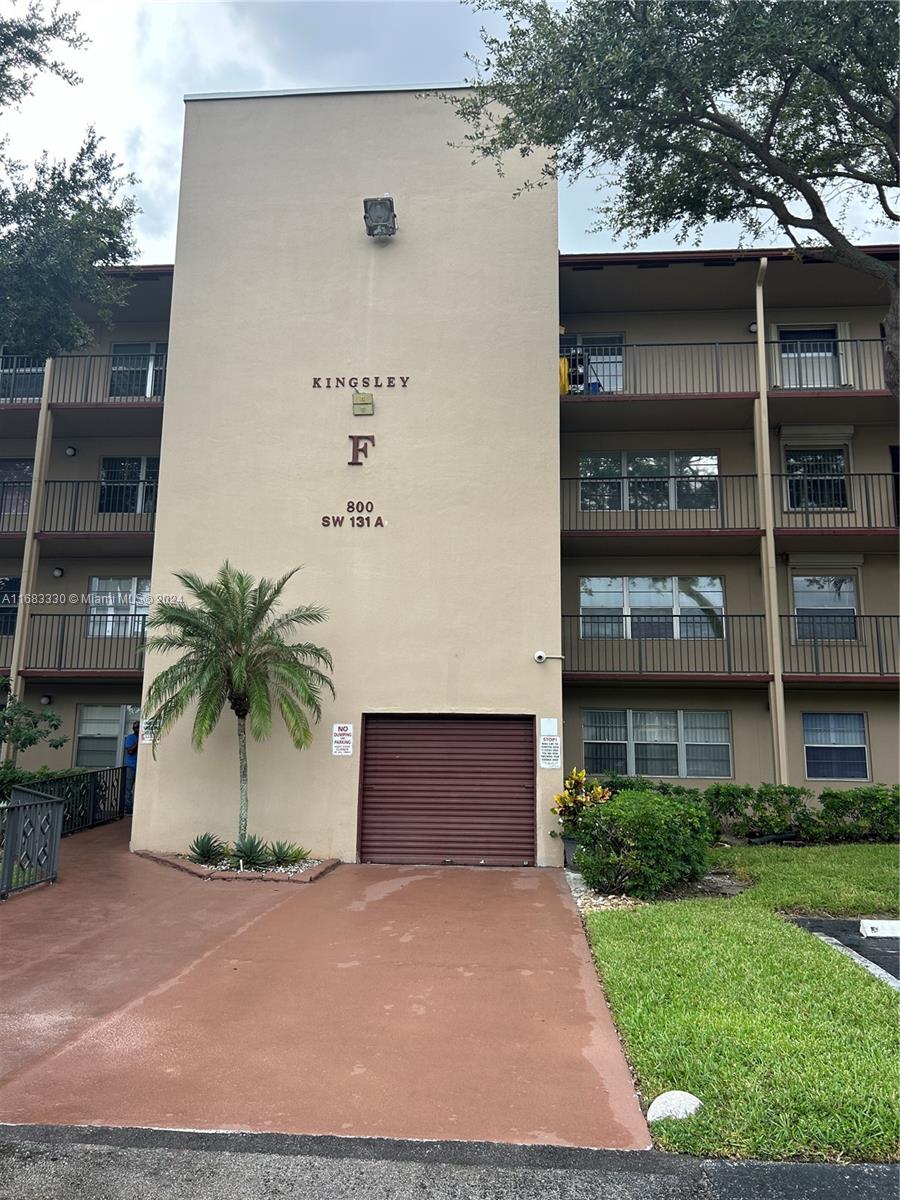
(15, 501)
(84, 645)
(102, 516)
(840, 648)
(643, 514)
(21, 380)
(810, 507)
(698, 648)
(76, 379)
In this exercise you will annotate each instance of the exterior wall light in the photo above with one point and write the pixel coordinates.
(379, 216)
(45, 700)
(71, 451)
(58, 572)
(752, 327)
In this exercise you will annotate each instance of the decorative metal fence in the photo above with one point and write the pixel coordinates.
(30, 829)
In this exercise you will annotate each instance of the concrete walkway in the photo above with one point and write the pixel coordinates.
(426, 1003)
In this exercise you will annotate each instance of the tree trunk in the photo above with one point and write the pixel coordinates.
(892, 343)
(242, 760)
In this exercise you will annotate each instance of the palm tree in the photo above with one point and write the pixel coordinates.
(236, 649)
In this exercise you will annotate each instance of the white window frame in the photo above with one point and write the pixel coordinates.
(140, 484)
(831, 746)
(626, 616)
(158, 351)
(681, 745)
(104, 620)
(128, 714)
(623, 479)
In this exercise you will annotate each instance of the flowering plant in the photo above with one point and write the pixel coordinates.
(578, 793)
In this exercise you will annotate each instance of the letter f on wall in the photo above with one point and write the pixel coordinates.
(359, 447)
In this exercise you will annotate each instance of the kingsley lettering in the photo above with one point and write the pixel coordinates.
(366, 382)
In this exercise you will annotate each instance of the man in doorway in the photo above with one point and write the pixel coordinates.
(131, 749)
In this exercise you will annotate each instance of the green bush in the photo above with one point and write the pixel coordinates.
(870, 813)
(776, 808)
(207, 849)
(642, 842)
(11, 777)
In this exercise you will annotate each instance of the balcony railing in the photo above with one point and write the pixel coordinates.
(92, 642)
(108, 379)
(21, 379)
(836, 501)
(659, 503)
(604, 368)
(7, 633)
(92, 506)
(841, 644)
(15, 500)
(664, 644)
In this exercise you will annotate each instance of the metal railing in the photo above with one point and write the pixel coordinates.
(836, 501)
(659, 503)
(602, 368)
(855, 364)
(93, 506)
(85, 642)
(30, 830)
(15, 501)
(21, 379)
(108, 379)
(7, 633)
(664, 644)
(840, 644)
(89, 797)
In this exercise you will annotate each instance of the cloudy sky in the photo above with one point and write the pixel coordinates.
(145, 55)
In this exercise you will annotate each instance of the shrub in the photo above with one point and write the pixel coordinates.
(728, 802)
(641, 842)
(578, 794)
(776, 808)
(252, 852)
(285, 854)
(12, 776)
(207, 849)
(870, 813)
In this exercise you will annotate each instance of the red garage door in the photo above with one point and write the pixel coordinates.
(448, 790)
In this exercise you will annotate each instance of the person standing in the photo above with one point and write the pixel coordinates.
(131, 749)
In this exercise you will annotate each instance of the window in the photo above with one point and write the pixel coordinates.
(21, 378)
(835, 746)
(825, 606)
(15, 488)
(10, 586)
(101, 733)
(118, 606)
(137, 369)
(128, 485)
(657, 480)
(816, 478)
(595, 361)
(660, 606)
(809, 357)
(673, 743)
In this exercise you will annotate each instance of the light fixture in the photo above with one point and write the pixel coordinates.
(71, 451)
(45, 700)
(58, 572)
(379, 216)
(752, 327)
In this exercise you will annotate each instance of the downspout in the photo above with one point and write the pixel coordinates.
(767, 541)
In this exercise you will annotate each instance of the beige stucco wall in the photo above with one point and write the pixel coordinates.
(722, 324)
(441, 609)
(65, 700)
(880, 709)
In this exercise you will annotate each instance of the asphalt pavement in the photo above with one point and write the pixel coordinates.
(64, 1163)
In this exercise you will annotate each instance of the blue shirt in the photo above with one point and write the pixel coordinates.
(131, 745)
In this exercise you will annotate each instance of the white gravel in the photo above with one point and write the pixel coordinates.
(293, 869)
(590, 901)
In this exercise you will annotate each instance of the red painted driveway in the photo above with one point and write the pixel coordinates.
(409, 1002)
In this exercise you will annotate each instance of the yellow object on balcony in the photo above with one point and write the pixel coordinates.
(563, 376)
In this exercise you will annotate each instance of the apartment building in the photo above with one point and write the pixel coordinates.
(636, 511)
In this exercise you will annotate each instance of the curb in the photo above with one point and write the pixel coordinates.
(189, 868)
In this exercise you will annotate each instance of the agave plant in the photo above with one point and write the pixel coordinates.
(207, 849)
(285, 854)
(251, 852)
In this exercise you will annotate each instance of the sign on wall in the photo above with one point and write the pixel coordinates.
(342, 740)
(550, 751)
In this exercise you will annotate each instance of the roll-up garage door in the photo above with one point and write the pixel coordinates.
(448, 790)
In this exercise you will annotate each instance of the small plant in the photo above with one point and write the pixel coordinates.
(207, 849)
(642, 842)
(251, 852)
(579, 793)
(285, 854)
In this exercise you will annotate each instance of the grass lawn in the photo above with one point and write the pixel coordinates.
(791, 1046)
